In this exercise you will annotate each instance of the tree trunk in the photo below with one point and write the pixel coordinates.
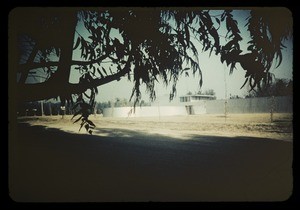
(59, 81)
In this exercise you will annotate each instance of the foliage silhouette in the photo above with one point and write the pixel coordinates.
(143, 44)
(279, 87)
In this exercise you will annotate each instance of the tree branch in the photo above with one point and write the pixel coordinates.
(48, 89)
(25, 71)
(36, 65)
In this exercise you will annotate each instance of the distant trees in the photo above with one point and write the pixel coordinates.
(122, 102)
(280, 87)
(102, 105)
(118, 102)
(234, 96)
(207, 92)
(34, 108)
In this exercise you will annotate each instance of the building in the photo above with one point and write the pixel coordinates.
(195, 103)
(195, 98)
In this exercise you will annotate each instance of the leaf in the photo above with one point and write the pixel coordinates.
(104, 71)
(94, 69)
(96, 90)
(92, 98)
(110, 70)
(123, 62)
(87, 126)
(213, 32)
(250, 48)
(77, 43)
(77, 120)
(223, 16)
(211, 49)
(86, 95)
(228, 24)
(81, 125)
(228, 61)
(279, 55)
(91, 37)
(187, 33)
(128, 76)
(77, 113)
(200, 82)
(92, 54)
(91, 123)
(251, 83)
(57, 51)
(98, 70)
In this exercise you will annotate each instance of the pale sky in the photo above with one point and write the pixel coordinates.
(213, 78)
(212, 71)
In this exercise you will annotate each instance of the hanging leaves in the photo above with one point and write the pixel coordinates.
(85, 109)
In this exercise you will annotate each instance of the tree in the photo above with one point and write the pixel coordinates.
(101, 106)
(210, 92)
(122, 102)
(140, 43)
(279, 87)
(207, 92)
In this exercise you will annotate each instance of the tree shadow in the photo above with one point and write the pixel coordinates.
(48, 164)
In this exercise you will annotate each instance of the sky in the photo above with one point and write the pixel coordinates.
(215, 74)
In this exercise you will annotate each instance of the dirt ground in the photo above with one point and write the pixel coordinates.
(192, 158)
(181, 127)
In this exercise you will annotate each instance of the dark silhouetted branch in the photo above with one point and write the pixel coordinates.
(50, 89)
(36, 65)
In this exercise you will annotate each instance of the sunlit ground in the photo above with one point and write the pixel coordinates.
(255, 125)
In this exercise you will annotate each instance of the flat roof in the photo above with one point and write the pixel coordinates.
(209, 96)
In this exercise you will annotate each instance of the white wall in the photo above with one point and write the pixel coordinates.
(145, 111)
(282, 104)
(201, 109)
(249, 105)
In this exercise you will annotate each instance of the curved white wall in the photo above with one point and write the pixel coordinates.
(145, 111)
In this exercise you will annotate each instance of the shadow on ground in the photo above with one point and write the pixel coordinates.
(47, 164)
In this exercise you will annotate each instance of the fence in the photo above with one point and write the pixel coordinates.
(281, 104)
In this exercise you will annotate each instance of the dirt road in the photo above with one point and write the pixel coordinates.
(123, 164)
